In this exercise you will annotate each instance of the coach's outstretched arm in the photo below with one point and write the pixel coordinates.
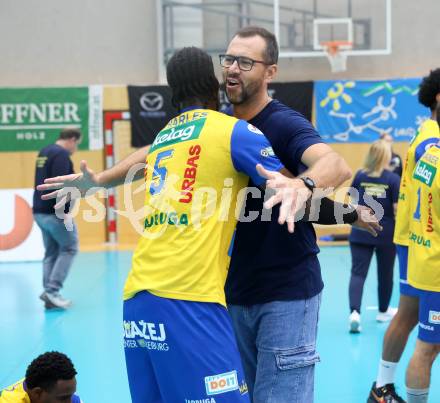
(292, 193)
(326, 167)
(88, 179)
(117, 175)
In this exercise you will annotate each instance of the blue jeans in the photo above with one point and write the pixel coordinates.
(60, 246)
(277, 343)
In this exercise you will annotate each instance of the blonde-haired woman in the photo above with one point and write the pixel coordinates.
(374, 183)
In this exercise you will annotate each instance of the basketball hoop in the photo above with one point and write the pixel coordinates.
(336, 54)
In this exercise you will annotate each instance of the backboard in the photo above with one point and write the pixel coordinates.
(302, 26)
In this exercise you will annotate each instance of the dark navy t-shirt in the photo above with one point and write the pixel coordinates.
(268, 263)
(52, 160)
(383, 190)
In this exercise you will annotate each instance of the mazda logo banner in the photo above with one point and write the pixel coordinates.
(150, 110)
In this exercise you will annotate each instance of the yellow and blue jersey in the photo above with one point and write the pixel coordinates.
(424, 227)
(17, 393)
(197, 170)
(427, 136)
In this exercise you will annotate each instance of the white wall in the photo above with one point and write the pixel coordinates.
(60, 42)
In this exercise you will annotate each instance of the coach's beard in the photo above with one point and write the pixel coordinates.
(243, 95)
(237, 96)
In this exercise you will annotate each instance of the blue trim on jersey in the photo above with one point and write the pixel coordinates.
(179, 351)
(424, 146)
(249, 147)
(231, 245)
(76, 399)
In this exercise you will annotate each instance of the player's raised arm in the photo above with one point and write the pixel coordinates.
(88, 179)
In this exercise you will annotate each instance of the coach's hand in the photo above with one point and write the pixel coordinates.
(291, 193)
(70, 187)
(367, 221)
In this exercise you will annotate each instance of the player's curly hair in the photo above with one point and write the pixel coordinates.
(429, 88)
(191, 77)
(45, 370)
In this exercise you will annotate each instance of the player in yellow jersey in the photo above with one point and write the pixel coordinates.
(405, 320)
(424, 270)
(50, 378)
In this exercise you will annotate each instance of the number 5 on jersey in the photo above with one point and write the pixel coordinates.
(160, 172)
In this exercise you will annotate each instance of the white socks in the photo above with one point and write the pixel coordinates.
(386, 374)
(417, 395)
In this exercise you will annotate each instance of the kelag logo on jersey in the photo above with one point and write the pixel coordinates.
(185, 132)
(425, 173)
(216, 384)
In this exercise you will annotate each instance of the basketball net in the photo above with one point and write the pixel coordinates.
(336, 54)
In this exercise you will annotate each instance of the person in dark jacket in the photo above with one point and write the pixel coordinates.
(60, 243)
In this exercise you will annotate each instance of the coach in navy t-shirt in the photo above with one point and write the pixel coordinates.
(61, 245)
(268, 263)
(274, 281)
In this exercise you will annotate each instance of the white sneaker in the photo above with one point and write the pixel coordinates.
(355, 322)
(386, 316)
(57, 300)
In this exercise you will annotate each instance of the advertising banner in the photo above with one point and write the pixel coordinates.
(31, 118)
(20, 237)
(359, 111)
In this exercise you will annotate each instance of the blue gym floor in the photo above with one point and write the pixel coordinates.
(91, 331)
